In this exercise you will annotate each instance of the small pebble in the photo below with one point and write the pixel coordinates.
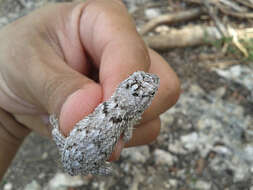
(33, 186)
(163, 157)
(65, 180)
(8, 186)
(152, 13)
(203, 185)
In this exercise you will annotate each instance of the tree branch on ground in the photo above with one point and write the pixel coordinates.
(170, 18)
(194, 35)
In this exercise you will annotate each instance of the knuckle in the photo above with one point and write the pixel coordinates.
(53, 87)
(11, 130)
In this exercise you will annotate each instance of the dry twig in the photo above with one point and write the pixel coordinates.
(233, 5)
(234, 14)
(188, 36)
(222, 64)
(226, 10)
(236, 41)
(218, 23)
(246, 3)
(192, 36)
(170, 18)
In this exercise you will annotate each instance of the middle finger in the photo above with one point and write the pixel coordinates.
(168, 91)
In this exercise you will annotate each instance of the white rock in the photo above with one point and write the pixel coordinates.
(196, 90)
(152, 13)
(222, 150)
(3, 21)
(173, 182)
(102, 185)
(190, 141)
(33, 186)
(238, 73)
(163, 157)
(241, 173)
(95, 185)
(62, 181)
(236, 70)
(44, 156)
(137, 154)
(181, 172)
(248, 149)
(126, 166)
(220, 92)
(8, 186)
(41, 175)
(203, 185)
(177, 147)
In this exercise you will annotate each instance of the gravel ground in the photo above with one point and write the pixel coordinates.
(206, 141)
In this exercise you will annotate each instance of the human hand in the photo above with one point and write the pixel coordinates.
(66, 59)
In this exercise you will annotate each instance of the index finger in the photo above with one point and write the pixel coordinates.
(109, 36)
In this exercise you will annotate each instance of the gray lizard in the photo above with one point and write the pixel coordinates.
(92, 140)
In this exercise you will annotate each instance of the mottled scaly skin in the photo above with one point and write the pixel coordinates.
(91, 142)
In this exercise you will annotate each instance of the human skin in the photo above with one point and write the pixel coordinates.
(65, 59)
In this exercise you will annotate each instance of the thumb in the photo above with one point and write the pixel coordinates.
(65, 92)
(79, 104)
(71, 96)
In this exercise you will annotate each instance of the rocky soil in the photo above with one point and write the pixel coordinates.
(206, 141)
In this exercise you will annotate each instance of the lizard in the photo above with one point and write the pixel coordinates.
(92, 140)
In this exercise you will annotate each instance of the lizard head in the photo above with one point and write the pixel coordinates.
(138, 90)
